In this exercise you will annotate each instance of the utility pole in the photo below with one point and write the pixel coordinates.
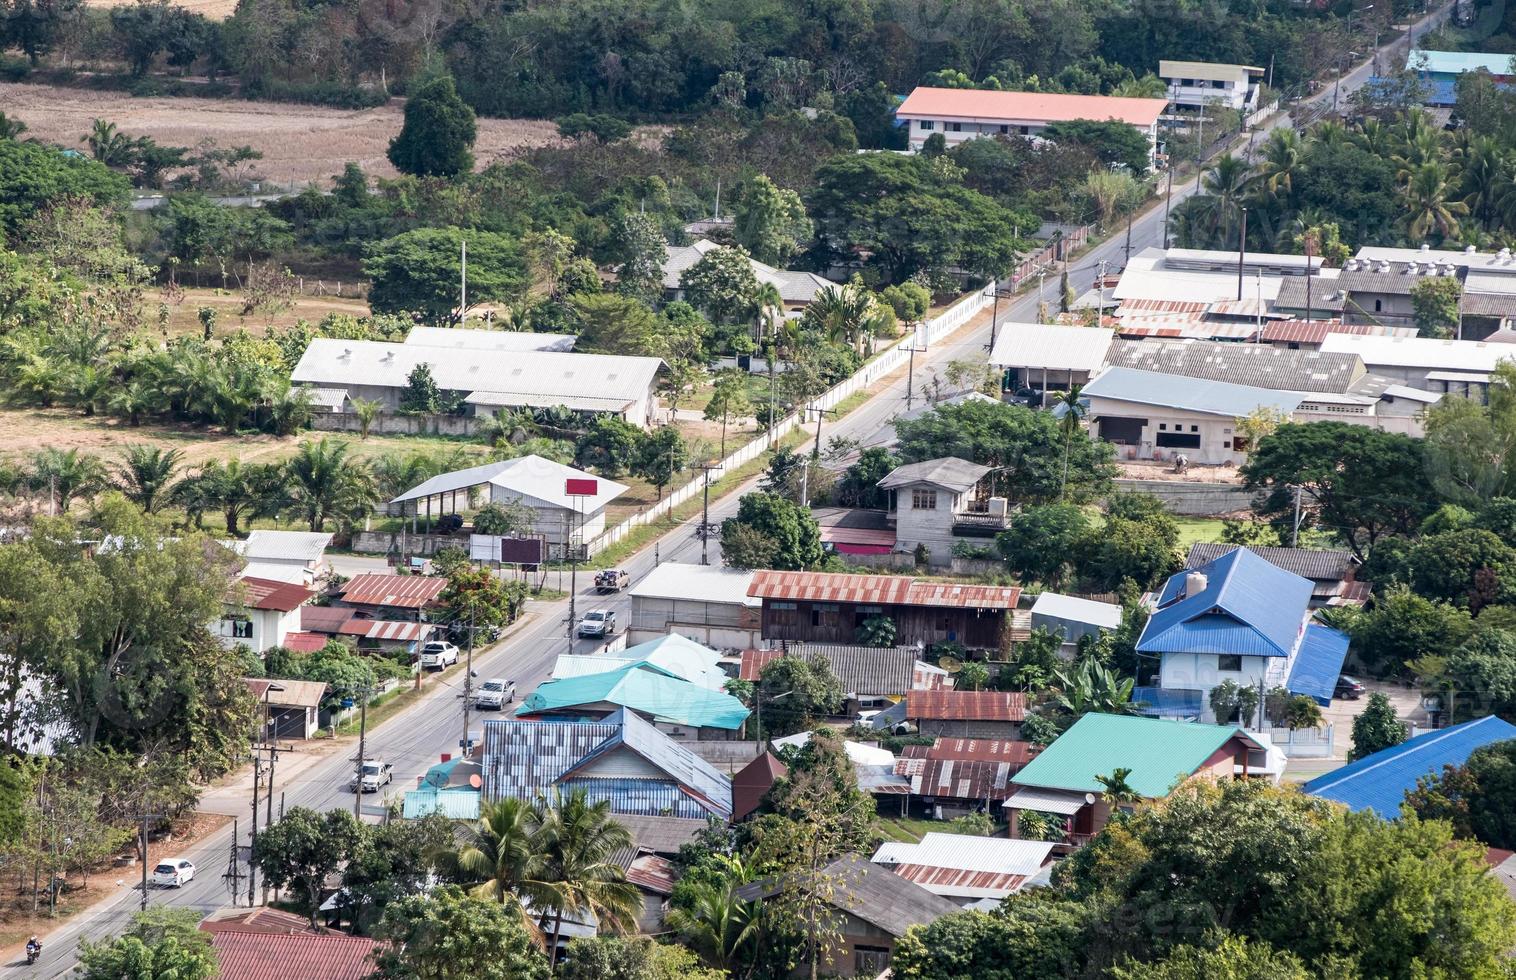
(805, 474)
(463, 282)
(1295, 533)
(145, 817)
(1100, 304)
(1168, 200)
(705, 518)
(573, 578)
(773, 353)
(910, 371)
(1200, 149)
(362, 750)
(1127, 261)
(233, 875)
(272, 748)
(468, 680)
(1242, 252)
(252, 838)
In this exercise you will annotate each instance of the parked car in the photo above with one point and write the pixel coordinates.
(438, 654)
(497, 692)
(1348, 688)
(375, 775)
(598, 622)
(612, 580)
(173, 873)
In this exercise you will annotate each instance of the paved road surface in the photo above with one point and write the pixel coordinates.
(414, 739)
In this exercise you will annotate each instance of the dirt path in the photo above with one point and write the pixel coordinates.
(299, 142)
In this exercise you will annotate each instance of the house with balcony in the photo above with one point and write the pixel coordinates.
(1237, 618)
(1194, 86)
(935, 502)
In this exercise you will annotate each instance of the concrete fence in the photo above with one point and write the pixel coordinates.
(1193, 499)
(1304, 743)
(396, 424)
(930, 332)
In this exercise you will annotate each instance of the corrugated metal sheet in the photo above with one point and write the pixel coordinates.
(959, 779)
(324, 619)
(953, 595)
(523, 759)
(400, 631)
(305, 642)
(1250, 365)
(1319, 662)
(966, 705)
(887, 590)
(1379, 782)
(1046, 801)
(1325, 564)
(402, 591)
(694, 776)
(860, 670)
(1248, 606)
(1190, 394)
(643, 797)
(455, 804)
(965, 852)
(296, 694)
(1138, 304)
(644, 688)
(309, 956)
(262, 593)
(1159, 702)
(652, 873)
(1052, 347)
(982, 750)
(1158, 753)
(955, 883)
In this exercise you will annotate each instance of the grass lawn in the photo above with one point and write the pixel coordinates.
(908, 829)
(1194, 530)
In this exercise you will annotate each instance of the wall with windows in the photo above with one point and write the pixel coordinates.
(257, 629)
(924, 516)
(1156, 432)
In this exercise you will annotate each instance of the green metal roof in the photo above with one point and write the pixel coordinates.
(645, 688)
(1158, 752)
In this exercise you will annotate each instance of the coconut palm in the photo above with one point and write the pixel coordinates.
(1279, 161)
(1115, 789)
(579, 838)
(1430, 203)
(1072, 407)
(1215, 215)
(109, 145)
(325, 484)
(237, 491)
(770, 310)
(145, 474)
(715, 922)
(840, 313)
(66, 475)
(502, 859)
(1484, 177)
(1147, 87)
(1331, 133)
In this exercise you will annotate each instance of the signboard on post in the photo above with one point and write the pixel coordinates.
(580, 487)
(508, 551)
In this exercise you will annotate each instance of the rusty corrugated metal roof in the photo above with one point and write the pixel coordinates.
(956, 882)
(884, 590)
(966, 705)
(652, 873)
(405, 591)
(962, 596)
(386, 629)
(982, 750)
(957, 779)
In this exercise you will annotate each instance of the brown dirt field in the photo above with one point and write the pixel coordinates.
(28, 430)
(184, 316)
(212, 9)
(299, 143)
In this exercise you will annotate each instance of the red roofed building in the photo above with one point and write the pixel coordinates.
(261, 612)
(823, 607)
(974, 714)
(753, 781)
(306, 956)
(963, 114)
(378, 592)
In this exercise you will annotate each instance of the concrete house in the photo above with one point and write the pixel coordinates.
(1239, 618)
(1197, 85)
(260, 613)
(706, 603)
(966, 114)
(935, 502)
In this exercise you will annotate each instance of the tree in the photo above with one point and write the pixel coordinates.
(1403, 627)
(1435, 302)
(729, 399)
(876, 631)
(504, 519)
(482, 599)
(817, 695)
(1224, 957)
(1029, 935)
(1109, 141)
(419, 271)
(1471, 568)
(1358, 482)
(1492, 809)
(1090, 686)
(32, 175)
(579, 841)
(663, 454)
(1232, 702)
(325, 484)
(66, 475)
(303, 849)
(162, 943)
(501, 856)
(611, 445)
(794, 532)
(604, 128)
(609, 323)
(237, 491)
(707, 914)
(722, 285)
(421, 396)
(1027, 448)
(145, 475)
(394, 860)
(1469, 446)
(437, 137)
(632, 958)
(1376, 728)
(638, 245)
(909, 300)
(1139, 550)
(770, 221)
(448, 935)
(1044, 542)
(1480, 677)
(369, 409)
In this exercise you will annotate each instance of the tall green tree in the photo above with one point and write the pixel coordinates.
(817, 694)
(437, 137)
(448, 935)
(326, 484)
(162, 943)
(579, 840)
(1435, 304)
(793, 533)
(303, 848)
(722, 285)
(1044, 542)
(729, 400)
(146, 475)
(770, 221)
(1376, 728)
(420, 271)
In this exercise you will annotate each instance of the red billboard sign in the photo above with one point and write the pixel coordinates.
(580, 487)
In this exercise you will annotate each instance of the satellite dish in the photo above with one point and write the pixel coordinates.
(950, 664)
(1089, 798)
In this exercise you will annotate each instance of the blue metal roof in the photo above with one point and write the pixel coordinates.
(1189, 394)
(525, 759)
(1458, 62)
(1318, 663)
(455, 804)
(1162, 702)
(1379, 782)
(644, 687)
(1248, 606)
(696, 776)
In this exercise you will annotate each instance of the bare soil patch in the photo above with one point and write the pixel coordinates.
(212, 9)
(27, 430)
(184, 314)
(299, 143)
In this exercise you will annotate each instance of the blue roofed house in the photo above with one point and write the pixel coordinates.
(450, 788)
(1237, 618)
(676, 654)
(676, 706)
(1379, 782)
(1438, 71)
(621, 759)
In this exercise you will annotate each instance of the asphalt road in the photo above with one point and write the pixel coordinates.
(414, 739)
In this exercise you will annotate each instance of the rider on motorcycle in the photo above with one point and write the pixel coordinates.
(33, 948)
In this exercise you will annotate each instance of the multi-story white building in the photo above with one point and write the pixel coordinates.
(964, 114)
(1195, 85)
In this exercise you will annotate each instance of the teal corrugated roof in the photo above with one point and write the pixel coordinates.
(1458, 62)
(1190, 394)
(455, 804)
(646, 689)
(1159, 753)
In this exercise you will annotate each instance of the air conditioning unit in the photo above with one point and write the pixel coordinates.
(996, 506)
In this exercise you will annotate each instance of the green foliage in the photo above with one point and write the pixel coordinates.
(722, 285)
(611, 445)
(632, 958)
(663, 455)
(479, 598)
(817, 695)
(859, 486)
(421, 396)
(876, 631)
(1110, 142)
(609, 323)
(1376, 728)
(302, 849)
(1435, 302)
(1480, 677)
(418, 271)
(1404, 626)
(392, 861)
(1044, 542)
(162, 943)
(447, 935)
(771, 529)
(326, 484)
(34, 174)
(503, 519)
(909, 300)
(1225, 957)
(1030, 935)
(603, 128)
(437, 137)
(1468, 444)
(1481, 795)
(770, 221)
(1233, 702)
(1035, 660)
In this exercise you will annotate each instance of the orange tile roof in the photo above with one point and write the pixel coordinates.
(327, 956)
(267, 593)
(1032, 107)
(966, 705)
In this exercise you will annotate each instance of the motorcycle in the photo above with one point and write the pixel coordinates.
(33, 950)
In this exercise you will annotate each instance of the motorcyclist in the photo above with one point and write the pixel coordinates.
(33, 948)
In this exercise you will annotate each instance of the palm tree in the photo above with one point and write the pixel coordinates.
(716, 923)
(1430, 205)
(135, 398)
(1147, 87)
(1484, 176)
(145, 474)
(1225, 185)
(1115, 788)
(88, 386)
(67, 474)
(325, 484)
(235, 490)
(770, 310)
(840, 312)
(1073, 408)
(1280, 160)
(108, 145)
(502, 856)
(579, 838)
(11, 129)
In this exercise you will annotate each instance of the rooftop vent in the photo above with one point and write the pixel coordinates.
(1468, 250)
(1410, 268)
(1425, 247)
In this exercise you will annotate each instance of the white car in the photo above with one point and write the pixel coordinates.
(173, 873)
(375, 775)
(497, 692)
(437, 655)
(598, 622)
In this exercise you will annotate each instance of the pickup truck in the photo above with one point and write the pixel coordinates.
(612, 580)
(375, 775)
(438, 655)
(598, 622)
(497, 692)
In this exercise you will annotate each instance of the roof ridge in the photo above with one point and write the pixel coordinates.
(1425, 741)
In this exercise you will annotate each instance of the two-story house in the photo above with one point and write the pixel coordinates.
(1194, 86)
(260, 613)
(1238, 618)
(936, 501)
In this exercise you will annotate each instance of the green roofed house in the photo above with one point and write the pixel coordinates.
(1062, 781)
(675, 706)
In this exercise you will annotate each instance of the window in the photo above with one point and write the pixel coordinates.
(1005, 128)
(1229, 661)
(1194, 428)
(956, 127)
(1378, 305)
(1026, 130)
(1178, 440)
(783, 606)
(870, 961)
(237, 627)
(820, 608)
(927, 124)
(1163, 426)
(923, 499)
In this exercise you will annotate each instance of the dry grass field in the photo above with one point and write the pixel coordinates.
(212, 9)
(184, 313)
(299, 143)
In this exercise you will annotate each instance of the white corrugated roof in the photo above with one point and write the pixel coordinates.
(1077, 610)
(528, 476)
(698, 583)
(579, 403)
(465, 338)
(679, 655)
(1502, 263)
(1045, 800)
(1419, 352)
(305, 546)
(1050, 346)
(329, 398)
(963, 852)
(1205, 69)
(548, 374)
(794, 287)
